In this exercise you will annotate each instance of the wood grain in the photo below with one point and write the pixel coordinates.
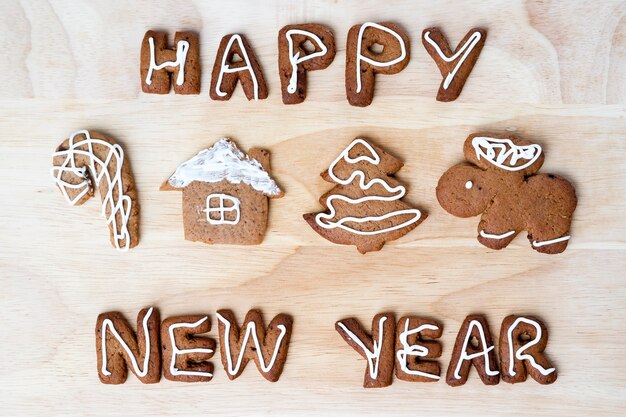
(551, 71)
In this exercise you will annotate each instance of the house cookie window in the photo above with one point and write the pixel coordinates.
(222, 209)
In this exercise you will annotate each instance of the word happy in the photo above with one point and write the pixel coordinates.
(371, 48)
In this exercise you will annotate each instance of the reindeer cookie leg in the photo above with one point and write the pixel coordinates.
(553, 207)
(494, 235)
(495, 229)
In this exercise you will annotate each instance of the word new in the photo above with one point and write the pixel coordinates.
(184, 354)
(411, 348)
(371, 48)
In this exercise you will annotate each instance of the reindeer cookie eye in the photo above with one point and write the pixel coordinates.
(469, 185)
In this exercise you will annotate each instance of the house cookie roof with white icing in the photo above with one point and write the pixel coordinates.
(224, 161)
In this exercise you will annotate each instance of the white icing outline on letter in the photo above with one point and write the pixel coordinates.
(226, 69)
(294, 60)
(524, 356)
(181, 56)
(360, 57)
(250, 330)
(377, 348)
(176, 351)
(413, 350)
(485, 352)
(467, 47)
(103, 349)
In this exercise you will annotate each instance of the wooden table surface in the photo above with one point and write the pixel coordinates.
(550, 71)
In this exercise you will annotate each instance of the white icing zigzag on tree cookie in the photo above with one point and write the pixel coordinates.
(324, 220)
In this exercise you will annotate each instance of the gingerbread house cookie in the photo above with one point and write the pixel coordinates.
(225, 194)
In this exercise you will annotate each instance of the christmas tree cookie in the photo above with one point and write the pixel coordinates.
(365, 208)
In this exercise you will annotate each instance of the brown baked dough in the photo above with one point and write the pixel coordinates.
(455, 71)
(380, 345)
(191, 363)
(500, 182)
(90, 158)
(294, 93)
(273, 343)
(423, 349)
(249, 70)
(529, 337)
(146, 369)
(392, 49)
(477, 344)
(161, 80)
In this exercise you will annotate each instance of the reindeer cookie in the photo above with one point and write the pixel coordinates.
(88, 159)
(502, 185)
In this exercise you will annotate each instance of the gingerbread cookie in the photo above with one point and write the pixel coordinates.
(294, 60)
(118, 348)
(185, 355)
(364, 60)
(501, 183)
(225, 194)
(378, 349)
(267, 348)
(522, 342)
(416, 349)
(88, 159)
(235, 61)
(160, 66)
(473, 346)
(454, 67)
(365, 208)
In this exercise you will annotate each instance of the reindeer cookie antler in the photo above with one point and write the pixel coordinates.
(90, 158)
(501, 183)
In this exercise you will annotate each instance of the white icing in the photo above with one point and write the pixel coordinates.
(250, 330)
(360, 57)
(413, 350)
(469, 185)
(502, 236)
(397, 193)
(176, 351)
(498, 151)
(537, 244)
(374, 354)
(520, 352)
(181, 56)
(226, 69)
(103, 337)
(295, 59)
(466, 49)
(115, 156)
(221, 209)
(485, 352)
(224, 161)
